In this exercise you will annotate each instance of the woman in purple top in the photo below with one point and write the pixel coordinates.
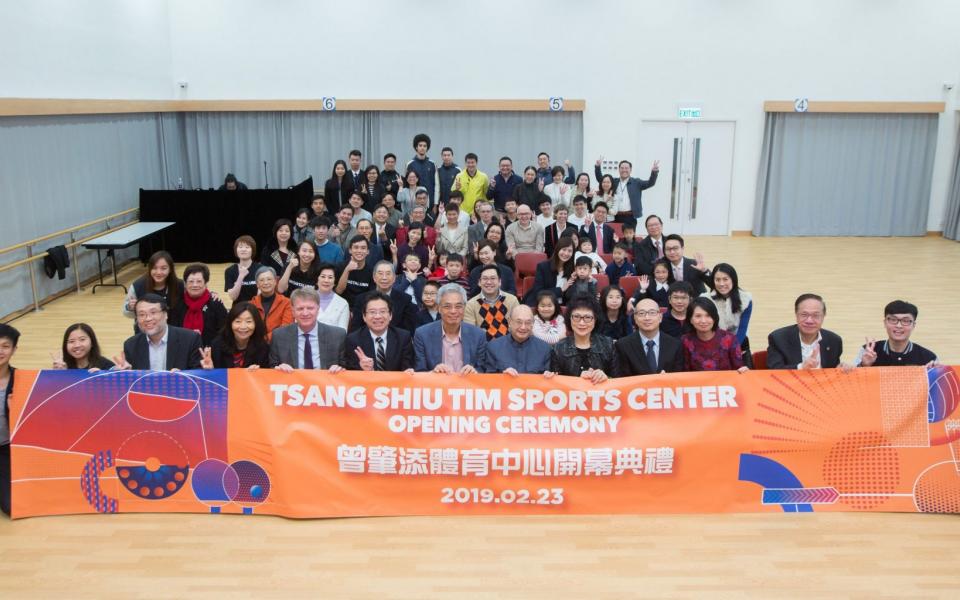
(708, 348)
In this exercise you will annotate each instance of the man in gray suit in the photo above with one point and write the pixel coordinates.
(307, 344)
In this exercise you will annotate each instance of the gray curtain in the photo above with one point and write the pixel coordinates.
(201, 148)
(951, 225)
(489, 135)
(60, 171)
(64, 170)
(845, 174)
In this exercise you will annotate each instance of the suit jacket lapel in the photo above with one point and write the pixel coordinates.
(794, 344)
(296, 345)
(143, 350)
(171, 349)
(393, 342)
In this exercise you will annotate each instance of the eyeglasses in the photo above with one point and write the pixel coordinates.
(905, 321)
(815, 316)
(378, 313)
(582, 318)
(647, 313)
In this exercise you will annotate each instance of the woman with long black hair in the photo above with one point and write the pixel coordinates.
(337, 189)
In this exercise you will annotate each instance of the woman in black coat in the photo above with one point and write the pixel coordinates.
(337, 189)
(241, 344)
(554, 273)
(586, 353)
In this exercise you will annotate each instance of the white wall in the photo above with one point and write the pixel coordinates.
(630, 60)
(85, 49)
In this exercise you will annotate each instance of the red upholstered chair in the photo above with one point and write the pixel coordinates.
(526, 284)
(526, 263)
(629, 283)
(617, 228)
(607, 258)
(602, 281)
(760, 360)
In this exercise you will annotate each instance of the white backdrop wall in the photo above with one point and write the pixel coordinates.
(631, 60)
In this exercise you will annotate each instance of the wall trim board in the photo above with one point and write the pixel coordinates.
(831, 106)
(74, 106)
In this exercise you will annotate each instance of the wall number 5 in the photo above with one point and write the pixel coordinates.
(556, 104)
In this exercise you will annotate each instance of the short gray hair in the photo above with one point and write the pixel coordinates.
(265, 269)
(305, 295)
(451, 288)
(387, 263)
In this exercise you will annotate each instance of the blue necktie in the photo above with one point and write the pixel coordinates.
(307, 352)
(651, 357)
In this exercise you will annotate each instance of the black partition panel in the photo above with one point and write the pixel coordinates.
(208, 221)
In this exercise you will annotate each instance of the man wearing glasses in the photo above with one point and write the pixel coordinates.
(900, 319)
(648, 351)
(805, 345)
(449, 345)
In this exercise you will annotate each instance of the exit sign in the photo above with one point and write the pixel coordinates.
(689, 112)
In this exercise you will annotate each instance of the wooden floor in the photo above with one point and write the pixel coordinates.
(683, 556)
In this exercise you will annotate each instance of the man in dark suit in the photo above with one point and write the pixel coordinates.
(356, 173)
(560, 227)
(627, 190)
(307, 343)
(805, 345)
(649, 249)
(378, 346)
(648, 351)
(404, 310)
(590, 229)
(159, 346)
(694, 272)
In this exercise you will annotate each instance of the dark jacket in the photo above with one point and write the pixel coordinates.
(223, 357)
(426, 170)
(403, 309)
(503, 189)
(635, 188)
(56, 262)
(551, 237)
(183, 350)
(529, 194)
(446, 176)
(214, 318)
(565, 359)
(399, 349)
(591, 232)
(372, 195)
(336, 195)
(632, 355)
(783, 350)
(700, 280)
(644, 255)
(545, 278)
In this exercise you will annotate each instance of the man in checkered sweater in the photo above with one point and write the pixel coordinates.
(488, 310)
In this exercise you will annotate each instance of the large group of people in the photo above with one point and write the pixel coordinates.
(417, 271)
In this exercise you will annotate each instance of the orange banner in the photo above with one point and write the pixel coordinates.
(311, 444)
